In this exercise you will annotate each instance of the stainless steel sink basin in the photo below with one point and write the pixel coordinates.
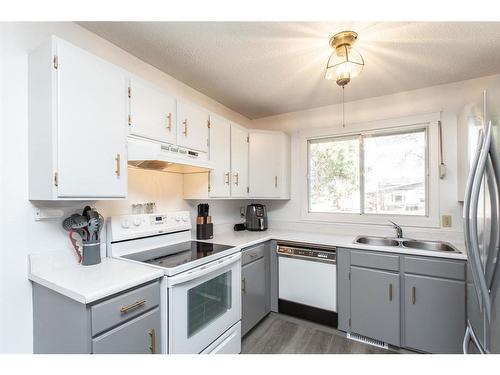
(377, 241)
(406, 243)
(430, 246)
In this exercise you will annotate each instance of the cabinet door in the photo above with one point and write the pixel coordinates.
(375, 309)
(253, 294)
(434, 314)
(220, 155)
(264, 173)
(239, 162)
(192, 129)
(152, 112)
(91, 123)
(137, 336)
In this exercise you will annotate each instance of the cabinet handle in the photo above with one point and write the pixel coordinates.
(226, 178)
(132, 306)
(253, 255)
(152, 336)
(237, 177)
(243, 285)
(169, 117)
(390, 292)
(117, 159)
(185, 132)
(275, 181)
(413, 295)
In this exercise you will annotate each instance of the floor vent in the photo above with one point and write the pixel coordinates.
(367, 340)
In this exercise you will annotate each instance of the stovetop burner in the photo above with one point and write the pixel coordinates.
(177, 254)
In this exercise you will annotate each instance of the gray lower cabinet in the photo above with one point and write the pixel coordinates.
(434, 314)
(415, 302)
(138, 336)
(128, 322)
(375, 308)
(255, 289)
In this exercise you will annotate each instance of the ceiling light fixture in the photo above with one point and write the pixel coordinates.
(345, 62)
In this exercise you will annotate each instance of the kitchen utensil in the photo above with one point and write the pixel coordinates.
(93, 228)
(85, 211)
(74, 243)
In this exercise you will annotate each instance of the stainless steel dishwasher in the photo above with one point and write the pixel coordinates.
(307, 282)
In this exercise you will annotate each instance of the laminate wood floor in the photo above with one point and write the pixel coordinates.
(281, 334)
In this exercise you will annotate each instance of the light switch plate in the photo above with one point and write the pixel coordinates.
(446, 221)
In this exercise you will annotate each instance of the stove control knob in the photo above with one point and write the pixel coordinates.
(137, 221)
(177, 218)
(185, 218)
(125, 223)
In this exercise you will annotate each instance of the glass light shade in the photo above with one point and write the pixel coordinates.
(344, 63)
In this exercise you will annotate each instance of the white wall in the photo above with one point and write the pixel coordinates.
(446, 98)
(19, 233)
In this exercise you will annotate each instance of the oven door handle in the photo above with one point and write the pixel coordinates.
(204, 270)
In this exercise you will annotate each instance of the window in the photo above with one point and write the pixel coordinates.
(372, 173)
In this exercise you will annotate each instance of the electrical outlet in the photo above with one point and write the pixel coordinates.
(446, 221)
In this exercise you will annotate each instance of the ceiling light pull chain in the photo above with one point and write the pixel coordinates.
(343, 111)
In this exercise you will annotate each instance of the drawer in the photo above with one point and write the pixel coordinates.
(137, 336)
(448, 269)
(375, 260)
(114, 311)
(253, 253)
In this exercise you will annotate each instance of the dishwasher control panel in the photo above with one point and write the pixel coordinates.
(313, 254)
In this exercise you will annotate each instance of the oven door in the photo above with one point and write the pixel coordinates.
(203, 304)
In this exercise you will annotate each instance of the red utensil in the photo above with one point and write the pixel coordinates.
(75, 245)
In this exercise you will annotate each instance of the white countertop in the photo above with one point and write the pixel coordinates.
(247, 238)
(87, 284)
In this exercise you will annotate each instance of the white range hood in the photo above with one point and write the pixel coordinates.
(157, 156)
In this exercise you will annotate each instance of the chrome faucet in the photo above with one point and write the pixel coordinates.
(399, 230)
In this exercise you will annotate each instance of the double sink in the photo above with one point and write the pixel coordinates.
(406, 243)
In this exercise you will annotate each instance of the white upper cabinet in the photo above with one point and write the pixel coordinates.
(269, 164)
(239, 162)
(152, 112)
(220, 155)
(77, 125)
(192, 126)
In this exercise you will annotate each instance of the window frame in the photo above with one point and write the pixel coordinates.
(428, 122)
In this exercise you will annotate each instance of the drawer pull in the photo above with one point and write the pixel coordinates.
(413, 295)
(117, 170)
(253, 255)
(135, 305)
(169, 118)
(152, 336)
(390, 292)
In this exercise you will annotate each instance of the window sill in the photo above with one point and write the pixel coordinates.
(367, 219)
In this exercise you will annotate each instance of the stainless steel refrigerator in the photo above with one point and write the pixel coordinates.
(481, 222)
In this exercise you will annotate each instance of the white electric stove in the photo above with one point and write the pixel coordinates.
(201, 290)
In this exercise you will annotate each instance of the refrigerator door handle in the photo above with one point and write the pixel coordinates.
(474, 235)
(492, 257)
(468, 337)
(467, 215)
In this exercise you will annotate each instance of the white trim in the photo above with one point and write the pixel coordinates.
(431, 220)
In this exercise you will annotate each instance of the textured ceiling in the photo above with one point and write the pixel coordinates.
(265, 68)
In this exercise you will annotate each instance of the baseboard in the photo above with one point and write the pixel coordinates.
(312, 314)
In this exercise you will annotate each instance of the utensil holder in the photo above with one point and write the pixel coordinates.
(91, 253)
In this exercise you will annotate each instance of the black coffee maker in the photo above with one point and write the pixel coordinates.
(204, 225)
